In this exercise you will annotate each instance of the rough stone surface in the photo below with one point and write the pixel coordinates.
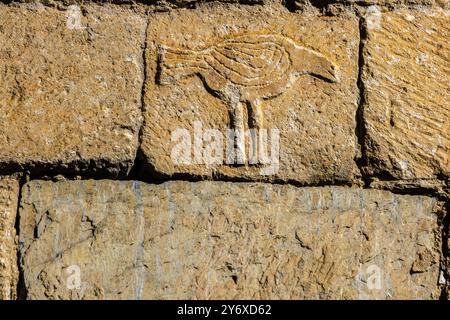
(446, 257)
(436, 188)
(195, 3)
(389, 3)
(181, 3)
(70, 88)
(295, 3)
(9, 195)
(244, 67)
(131, 240)
(346, 82)
(405, 78)
(445, 279)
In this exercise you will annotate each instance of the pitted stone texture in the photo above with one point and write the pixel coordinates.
(206, 54)
(387, 3)
(447, 257)
(9, 196)
(70, 87)
(219, 240)
(194, 3)
(405, 78)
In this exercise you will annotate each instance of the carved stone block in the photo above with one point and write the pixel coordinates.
(251, 93)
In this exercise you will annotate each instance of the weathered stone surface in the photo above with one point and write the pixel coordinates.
(70, 87)
(131, 240)
(446, 273)
(436, 188)
(181, 3)
(239, 67)
(9, 196)
(405, 78)
(193, 3)
(390, 3)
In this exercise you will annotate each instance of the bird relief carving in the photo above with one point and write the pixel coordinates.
(244, 71)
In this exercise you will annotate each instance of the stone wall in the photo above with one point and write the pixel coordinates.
(187, 149)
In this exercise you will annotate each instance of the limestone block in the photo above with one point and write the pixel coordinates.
(9, 196)
(70, 88)
(218, 240)
(405, 78)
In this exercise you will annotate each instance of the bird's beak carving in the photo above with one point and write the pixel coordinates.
(324, 69)
(332, 74)
(310, 62)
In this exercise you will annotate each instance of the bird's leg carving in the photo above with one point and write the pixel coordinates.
(237, 109)
(242, 71)
(255, 123)
(255, 114)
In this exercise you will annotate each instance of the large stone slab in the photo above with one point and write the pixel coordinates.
(405, 78)
(214, 240)
(250, 67)
(70, 88)
(9, 197)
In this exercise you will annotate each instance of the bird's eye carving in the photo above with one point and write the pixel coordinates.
(245, 70)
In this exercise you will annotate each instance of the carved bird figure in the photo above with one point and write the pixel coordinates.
(244, 70)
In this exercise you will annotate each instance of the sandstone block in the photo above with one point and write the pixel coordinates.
(9, 196)
(405, 78)
(287, 81)
(219, 240)
(70, 87)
